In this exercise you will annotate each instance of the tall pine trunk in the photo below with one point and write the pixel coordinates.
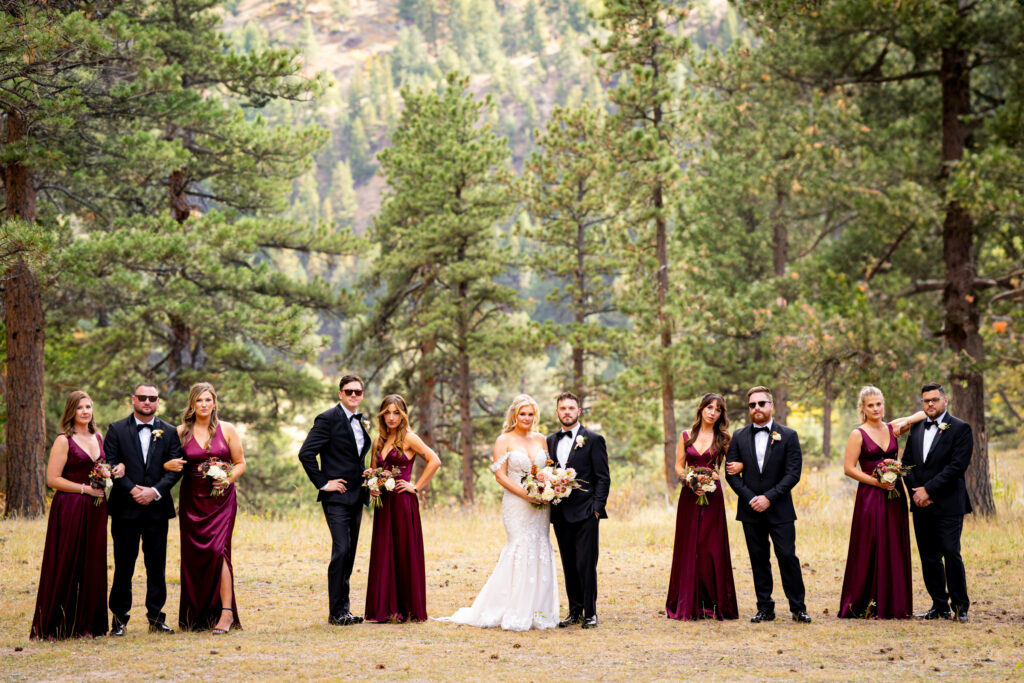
(959, 297)
(25, 335)
(465, 407)
(780, 261)
(580, 302)
(425, 415)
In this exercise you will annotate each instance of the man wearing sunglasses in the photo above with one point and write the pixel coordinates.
(140, 505)
(341, 439)
(771, 459)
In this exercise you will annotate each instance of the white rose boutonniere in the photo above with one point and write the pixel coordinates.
(776, 436)
(366, 424)
(157, 433)
(943, 426)
(580, 440)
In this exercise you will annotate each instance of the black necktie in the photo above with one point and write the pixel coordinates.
(760, 429)
(928, 424)
(141, 425)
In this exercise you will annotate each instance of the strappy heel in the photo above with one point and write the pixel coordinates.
(222, 631)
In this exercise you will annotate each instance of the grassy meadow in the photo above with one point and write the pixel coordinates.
(282, 595)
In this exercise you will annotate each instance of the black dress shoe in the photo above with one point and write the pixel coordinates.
(570, 620)
(801, 617)
(589, 622)
(762, 615)
(936, 613)
(160, 627)
(961, 617)
(338, 621)
(118, 630)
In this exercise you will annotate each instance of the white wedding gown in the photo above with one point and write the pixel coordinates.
(522, 592)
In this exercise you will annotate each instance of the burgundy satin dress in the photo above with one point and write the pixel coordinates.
(72, 598)
(877, 583)
(700, 585)
(396, 588)
(206, 522)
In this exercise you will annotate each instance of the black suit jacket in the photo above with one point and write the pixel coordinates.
(122, 446)
(591, 464)
(782, 464)
(333, 440)
(942, 474)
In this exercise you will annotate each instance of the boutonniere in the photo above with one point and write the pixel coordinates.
(366, 424)
(943, 426)
(580, 440)
(775, 436)
(157, 433)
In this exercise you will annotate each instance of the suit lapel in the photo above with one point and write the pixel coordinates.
(935, 441)
(582, 431)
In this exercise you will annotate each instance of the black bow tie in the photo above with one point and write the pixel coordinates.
(760, 429)
(357, 416)
(928, 424)
(562, 433)
(142, 425)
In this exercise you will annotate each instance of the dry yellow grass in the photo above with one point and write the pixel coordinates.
(281, 582)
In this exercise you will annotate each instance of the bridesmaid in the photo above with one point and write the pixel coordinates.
(701, 585)
(396, 588)
(877, 582)
(71, 600)
(206, 515)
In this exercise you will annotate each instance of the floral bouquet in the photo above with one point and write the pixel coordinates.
(101, 477)
(218, 470)
(701, 481)
(377, 478)
(888, 471)
(550, 484)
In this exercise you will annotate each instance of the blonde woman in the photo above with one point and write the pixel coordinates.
(207, 508)
(396, 588)
(521, 593)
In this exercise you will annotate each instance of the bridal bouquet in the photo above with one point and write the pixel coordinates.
(377, 478)
(550, 484)
(218, 470)
(101, 477)
(888, 471)
(701, 481)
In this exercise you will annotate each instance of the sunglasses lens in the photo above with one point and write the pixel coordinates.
(151, 399)
(353, 392)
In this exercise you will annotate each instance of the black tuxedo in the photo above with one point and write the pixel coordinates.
(333, 439)
(938, 526)
(576, 518)
(131, 522)
(781, 472)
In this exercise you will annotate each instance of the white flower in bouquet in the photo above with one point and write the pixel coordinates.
(709, 487)
(389, 484)
(570, 472)
(889, 477)
(548, 495)
(216, 472)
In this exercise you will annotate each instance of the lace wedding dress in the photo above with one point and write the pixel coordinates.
(522, 592)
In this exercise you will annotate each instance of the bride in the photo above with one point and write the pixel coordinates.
(521, 593)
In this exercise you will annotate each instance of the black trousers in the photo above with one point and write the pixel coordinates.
(343, 520)
(126, 534)
(783, 537)
(938, 542)
(577, 544)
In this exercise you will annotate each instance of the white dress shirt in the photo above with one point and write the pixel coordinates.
(761, 444)
(145, 439)
(930, 435)
(565, 445)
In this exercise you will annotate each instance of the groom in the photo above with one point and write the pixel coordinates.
(771, 457)
(576, 518)
(939, 449)
(340, 437)
(140, 506)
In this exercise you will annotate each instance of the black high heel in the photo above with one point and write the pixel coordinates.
(222, 631)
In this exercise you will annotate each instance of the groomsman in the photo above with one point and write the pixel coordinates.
(576, 518)
(140, 505)
(341, 438)
(940, 450)
(771, 457)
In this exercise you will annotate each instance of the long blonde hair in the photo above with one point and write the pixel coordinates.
(400, 431)
(866, 393)
(188, 416)
(67, 420)
(513, 410)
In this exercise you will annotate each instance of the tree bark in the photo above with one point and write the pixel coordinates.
(465, 408)
(25, 491)
(577, 382)
(780, 261)
(668, 399)
(826, 419)
(425, 416)
(962, 318)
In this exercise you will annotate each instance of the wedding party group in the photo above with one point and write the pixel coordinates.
(558, 481)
